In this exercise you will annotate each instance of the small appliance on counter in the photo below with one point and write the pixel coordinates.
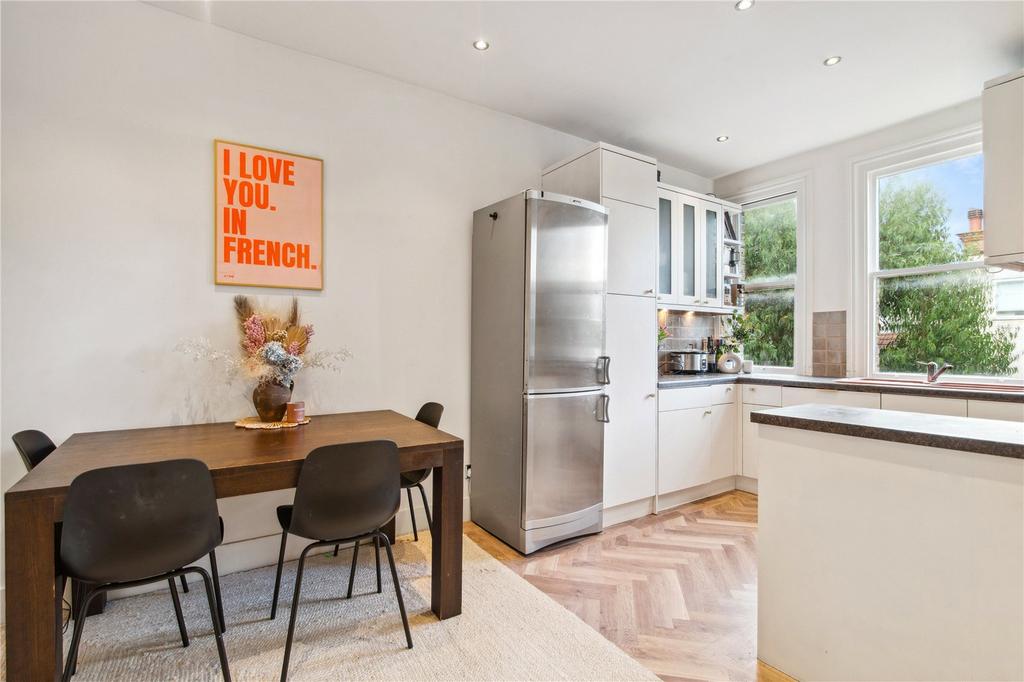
(689, 361)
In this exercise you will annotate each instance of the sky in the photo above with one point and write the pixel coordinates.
(961, 181)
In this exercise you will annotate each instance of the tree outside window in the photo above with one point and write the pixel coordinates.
(770, 254)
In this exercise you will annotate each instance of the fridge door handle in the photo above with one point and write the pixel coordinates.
(604, 401)
(604, 363)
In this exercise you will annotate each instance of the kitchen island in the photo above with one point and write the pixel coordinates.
(891, 545)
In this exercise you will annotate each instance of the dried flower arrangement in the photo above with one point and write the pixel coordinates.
(274, 347)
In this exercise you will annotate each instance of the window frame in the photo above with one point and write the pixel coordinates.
(799, 186)
(866, 172)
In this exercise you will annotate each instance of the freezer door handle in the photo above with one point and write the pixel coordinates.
(604, 402)
(604, 363)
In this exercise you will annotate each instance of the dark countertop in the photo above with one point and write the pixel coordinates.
(987, 436)
(933, 390)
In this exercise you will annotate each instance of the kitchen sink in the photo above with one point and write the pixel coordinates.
(922, 383)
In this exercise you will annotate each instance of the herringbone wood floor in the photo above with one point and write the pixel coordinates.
(677, 591)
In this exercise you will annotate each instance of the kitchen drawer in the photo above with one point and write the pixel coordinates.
(829, 396)
(991, 409)
(723, 394)
(628, 179)
(953, 407)
(762, 395)
(683, 398)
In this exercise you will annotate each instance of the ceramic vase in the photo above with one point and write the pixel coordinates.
(271, 400)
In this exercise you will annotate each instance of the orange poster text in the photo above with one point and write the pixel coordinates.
(246, 251)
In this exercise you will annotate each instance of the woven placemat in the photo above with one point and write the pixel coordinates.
(255, 423)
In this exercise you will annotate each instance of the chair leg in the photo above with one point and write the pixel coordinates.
(336, 549)
(352, 571)
(76, 638)
(294, 614)
(210, 600)
(376, 546)
(184, 584)
(398, 588)
(412, 515)
(177, 612)
(426, 506)
(277, 579)
(216, 591)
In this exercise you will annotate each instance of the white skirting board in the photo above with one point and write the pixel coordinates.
(662, 503)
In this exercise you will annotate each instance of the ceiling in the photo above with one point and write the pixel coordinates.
(666, 78)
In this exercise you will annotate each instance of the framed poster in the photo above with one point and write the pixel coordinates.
(268, 217)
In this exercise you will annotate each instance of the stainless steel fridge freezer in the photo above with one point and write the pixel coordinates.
(538, 368)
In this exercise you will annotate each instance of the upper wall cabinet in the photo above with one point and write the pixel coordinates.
(693, 269)
(1003, 142)
(626, 183)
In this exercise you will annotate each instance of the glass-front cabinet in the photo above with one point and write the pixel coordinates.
(690, 258)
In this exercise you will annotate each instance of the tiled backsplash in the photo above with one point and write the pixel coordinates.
(685, 329)
(828, 344)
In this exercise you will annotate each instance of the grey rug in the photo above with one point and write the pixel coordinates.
(508, 629)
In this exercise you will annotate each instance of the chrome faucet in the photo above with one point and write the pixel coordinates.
(934, 371)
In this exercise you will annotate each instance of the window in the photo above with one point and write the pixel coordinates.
(1009, 295)
(933, 299)
(770, 253)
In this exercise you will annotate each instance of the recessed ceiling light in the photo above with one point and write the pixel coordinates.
(832, 61)
(743, 4)
(722, 138)
(481, 45)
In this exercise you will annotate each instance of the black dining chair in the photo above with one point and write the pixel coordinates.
(34, 446)
(137, 524)
(429, 414)
(346, 493)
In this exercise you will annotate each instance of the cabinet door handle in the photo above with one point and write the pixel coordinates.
(707, 412)
(651, 395)
(648, 291)
(728, 389)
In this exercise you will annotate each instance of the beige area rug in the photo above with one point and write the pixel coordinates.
(508, 629)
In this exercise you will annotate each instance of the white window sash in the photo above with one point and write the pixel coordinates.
(866, 172)
(798, 187)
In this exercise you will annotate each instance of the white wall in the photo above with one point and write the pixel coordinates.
(109, 112)
(828, 170)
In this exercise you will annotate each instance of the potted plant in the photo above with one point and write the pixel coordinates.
(742, 329)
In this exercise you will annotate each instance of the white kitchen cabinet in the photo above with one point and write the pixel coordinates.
(684, 448)
(629, 177)
(752, 444)
(632, 248)
(691, 269)
(991, 409)
(762, 394)
(723, 393)
(711, 261)
(792, 395)
(953, 407)
(630, 437)
(1003, 143)
(696, 437)
(722, 444)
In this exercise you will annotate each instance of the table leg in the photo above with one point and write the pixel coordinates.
(389, 530)
(446, 537)
(33, 608)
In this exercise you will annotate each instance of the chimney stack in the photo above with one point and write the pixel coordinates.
(975, 218)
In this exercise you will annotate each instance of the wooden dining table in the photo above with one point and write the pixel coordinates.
(242, 462)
